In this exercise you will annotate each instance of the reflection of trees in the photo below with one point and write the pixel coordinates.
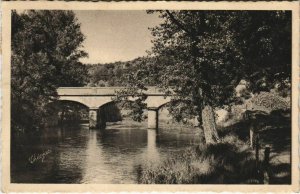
(63, 165)
(111, 155)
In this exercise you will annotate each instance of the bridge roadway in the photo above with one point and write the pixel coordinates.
(95, 97)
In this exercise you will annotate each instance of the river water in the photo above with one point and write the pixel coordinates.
(79, 155)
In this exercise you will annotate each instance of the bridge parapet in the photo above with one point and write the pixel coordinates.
(100, 91)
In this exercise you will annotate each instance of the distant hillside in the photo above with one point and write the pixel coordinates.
(112, 74)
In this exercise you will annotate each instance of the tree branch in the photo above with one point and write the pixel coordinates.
(181, 26)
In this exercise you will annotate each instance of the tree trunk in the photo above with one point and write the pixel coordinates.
(209, 125)
(251, 135)
(62, 116)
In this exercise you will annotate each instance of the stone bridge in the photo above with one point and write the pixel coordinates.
(95, 97)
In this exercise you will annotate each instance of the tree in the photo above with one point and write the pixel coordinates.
(196, 58)
(46, 47)
(205, 62)
(203, 55)
(265, 41)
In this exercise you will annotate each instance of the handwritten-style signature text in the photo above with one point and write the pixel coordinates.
(39, 157)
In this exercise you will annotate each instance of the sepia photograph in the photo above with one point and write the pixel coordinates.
(151, 96)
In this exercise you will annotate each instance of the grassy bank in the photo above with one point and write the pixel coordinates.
(231, 161)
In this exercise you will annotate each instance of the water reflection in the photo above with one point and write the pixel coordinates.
(152, 153)
(80, 155)
(93, 157)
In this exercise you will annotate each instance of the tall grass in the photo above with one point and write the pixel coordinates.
(228, 162)
(231, 161)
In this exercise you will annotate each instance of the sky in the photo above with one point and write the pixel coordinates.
(116, 35)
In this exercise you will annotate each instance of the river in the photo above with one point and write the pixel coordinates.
(79, 155)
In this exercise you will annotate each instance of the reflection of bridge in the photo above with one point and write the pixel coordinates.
(95, 97)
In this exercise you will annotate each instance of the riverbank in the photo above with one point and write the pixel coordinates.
(231, 161)
(228, 162)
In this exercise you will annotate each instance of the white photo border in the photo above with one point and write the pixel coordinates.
(7, 6)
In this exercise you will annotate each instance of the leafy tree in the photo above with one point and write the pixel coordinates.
(45, 55)
(196, 58)
(203, 55)
(265, 41)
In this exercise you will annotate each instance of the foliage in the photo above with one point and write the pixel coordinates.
(116, 73)
(268, 101)
(264, 38)
(197, 58)
(45, 55)
(104, 75)
(127, 74)
(264, 103)
(203, 55)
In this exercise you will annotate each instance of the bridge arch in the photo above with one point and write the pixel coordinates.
(164, 104)
(92, 102)
(155, 102)
(96, 97)
(72, 101)
(66, 111)
(110, 112)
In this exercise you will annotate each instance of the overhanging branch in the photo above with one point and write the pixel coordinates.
(182, 27)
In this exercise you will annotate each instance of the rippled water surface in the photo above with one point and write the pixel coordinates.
(80, 155)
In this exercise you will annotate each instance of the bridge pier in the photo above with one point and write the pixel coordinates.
(196, 122)
(93, 115)
(96, 119)
(152, 118)
(101, 120)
